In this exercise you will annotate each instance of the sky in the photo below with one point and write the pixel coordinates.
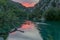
(27, 3)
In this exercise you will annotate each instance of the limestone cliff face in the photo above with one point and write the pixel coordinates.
(46, 4)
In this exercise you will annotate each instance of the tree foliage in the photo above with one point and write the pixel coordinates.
(52, 14)
(10, 16)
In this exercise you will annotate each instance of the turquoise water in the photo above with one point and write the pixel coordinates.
(50, 31)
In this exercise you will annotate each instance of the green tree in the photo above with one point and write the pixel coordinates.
(52, 14)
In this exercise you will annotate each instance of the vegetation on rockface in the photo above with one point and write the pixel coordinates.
(10, 16)
(52, 14)
(3, 1)
(53, 4)
(36, 14)
(45, 5)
